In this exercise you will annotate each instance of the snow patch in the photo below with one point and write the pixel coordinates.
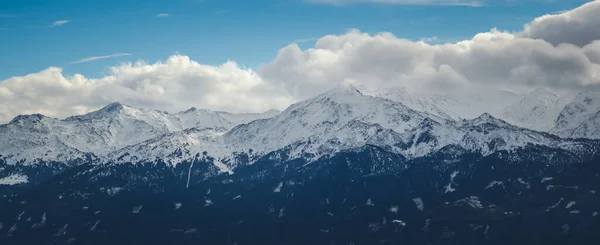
(570, 204)
(42, 222)
(369, 202)
(472, 201)
(494, 183)
(278, 188)
(399, 222)
(222, 167)
(419, 202)
(552, 187)
(62, 231)
(555, 205)
(93, 228)
(136, 209)
(113, 190)
(449, 187)
(14, 179)
(12, 229)
(524, 183)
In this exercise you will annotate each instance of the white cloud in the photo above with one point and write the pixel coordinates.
(495, 59)
(162, 15)
(473, 3)
(535, 57)
(579, 27)
(59, 22)
(88, 59)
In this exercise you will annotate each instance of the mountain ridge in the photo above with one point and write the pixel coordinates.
(341, 118)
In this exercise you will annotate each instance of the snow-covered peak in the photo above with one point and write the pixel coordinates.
(536, 110)
(32, 118)
(342, 91)
(115, 109)
(543, 92)
(192, 109)
(583, 107)
(434, 104)
(340, 119)
(487, 119)
(115, 106)
(454, 105)
(345, 118)
(323, 115)
(100, 132)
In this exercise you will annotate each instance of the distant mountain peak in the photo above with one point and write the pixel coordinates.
(542, 90)
(192, 109)
(29, 118)
(343, 89)
(112, 107)
(487, 118)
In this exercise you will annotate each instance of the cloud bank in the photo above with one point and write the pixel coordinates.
(537, 56)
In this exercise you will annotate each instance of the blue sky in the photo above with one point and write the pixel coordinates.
(214, 31)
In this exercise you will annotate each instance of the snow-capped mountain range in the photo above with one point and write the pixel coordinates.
(459, 170)
(343, 118)
(30, 138)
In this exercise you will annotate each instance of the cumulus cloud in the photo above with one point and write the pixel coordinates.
(473, 3)
(59, 23)
(494, 59)
(516, 61)
(580, 26)
(93, 58)
(173, 85)
(162, 15)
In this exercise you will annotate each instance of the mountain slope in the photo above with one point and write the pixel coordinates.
(537, 110)
(584, 107)
(455, 105)
(340, 168)
(338, 120)
(364, 196)
(27, 138)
